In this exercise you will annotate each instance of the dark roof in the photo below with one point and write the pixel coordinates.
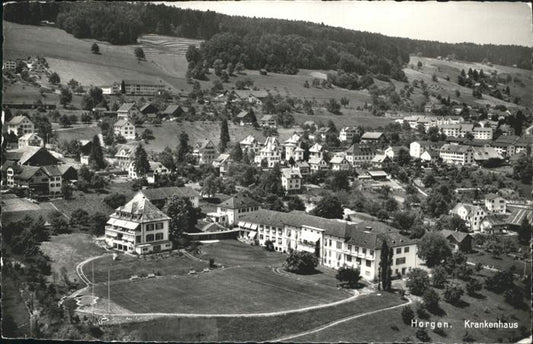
(239, 201)
(458, 236)
(357, 149)
(52, 170)
(167, 192)
(171, 109)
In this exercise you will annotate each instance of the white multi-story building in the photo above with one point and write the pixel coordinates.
(270, 153)
(337, 243)
(124, 128)
(20, 125)
(339, 163)
(138, 227)
(293, 149)
(358, 155)
(250, 144)
(231, 210)
(456, 130)
(291, 180)
(142, 87)
(347, 134)
(482, 133)
(316, 151)
(457, 154)
(495, 204)
(473, 215)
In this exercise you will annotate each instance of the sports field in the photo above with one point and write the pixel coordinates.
(250, 281)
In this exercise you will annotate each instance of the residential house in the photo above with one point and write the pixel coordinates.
(125, 128)
(268, 121)
(358, 154)
(393, 152)
(495, 204)
(347, 134)
(32, 156)
(39, 180)
(458, 241)
(380, 160)
(303, 167)
(494, 224)
(293, 149)
(160, 196)
(172, 111)
(316, 151)
(338, 243)
(125, 155)
(148, 108)
(86, 146)
(372, 137)
(9, 65)
(246, 118)
(270, 154)
(321, 133)
(205, 152)
(156, 169)
(30, 139)
(222, 163)
(318, 164)
(291, 180)
(378, 175)
(20, 125)
(254, 97)
(506, 130)
(457, 154)
(471, 214)
(339, 163)
(422, 150)
(231, 210)
(127, 111)
(138, 227)
(481, 133)
(250, 144)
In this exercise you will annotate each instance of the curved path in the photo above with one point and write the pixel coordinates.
(337, 322)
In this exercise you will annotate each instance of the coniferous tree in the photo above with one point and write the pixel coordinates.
(224, 135)
(96, 157)
(385, 264)
(183, 147)
(236, 153)
(142, 166)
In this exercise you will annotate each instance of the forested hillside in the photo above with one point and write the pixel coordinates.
(280, 45)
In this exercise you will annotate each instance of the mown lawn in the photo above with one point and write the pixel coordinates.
(126, 266)
(232, 290)
(502, 262)
(239, 329)
(233, 252)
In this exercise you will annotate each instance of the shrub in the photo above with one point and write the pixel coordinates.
(349, 275)
(422, 334)
(453, 293)
(269, 245)
(440, 331)
(439, 277)
(431, 299)
(473, 286)
(407, 315)
(301, 262)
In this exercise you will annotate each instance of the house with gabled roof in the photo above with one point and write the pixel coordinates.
(318, 164)
(359, 154)
(205, 151)
(471, 214)
(316, 151)
(291, 180)
(127, 110)
(372, 137)
(457, 154)
(30, 139)
(32, 156)
(148, 108)
(231, 210)
(268, 121)
(20, 125)
(270, 154)
(458, 241)
(125, 128)
(250, 143)
(339, 163)
(138, 227)
(172, 110)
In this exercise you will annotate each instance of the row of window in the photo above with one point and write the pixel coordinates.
(245, 210)
(152, 237)
(154, 226)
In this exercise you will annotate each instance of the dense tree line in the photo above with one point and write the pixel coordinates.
(280, 45)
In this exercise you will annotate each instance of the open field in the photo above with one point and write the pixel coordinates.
(15, 209)
(167, 134)
(253, 329)
(67, 250)
(233, 253)
(443, 68)
(71, 57)
(503, 262)
(231, 290)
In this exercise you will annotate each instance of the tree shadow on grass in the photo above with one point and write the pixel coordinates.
(477, 296)
(461, 304)
(438, 311)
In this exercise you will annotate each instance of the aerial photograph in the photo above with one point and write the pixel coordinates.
(267, 171)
